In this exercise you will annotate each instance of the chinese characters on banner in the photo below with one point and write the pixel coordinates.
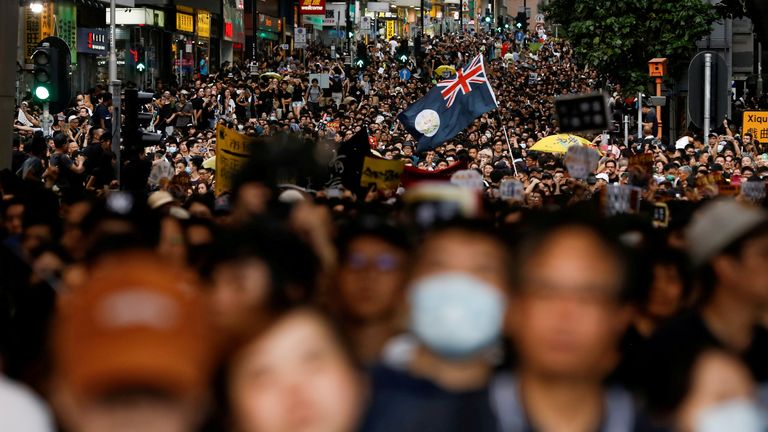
(66, 27)
(390, 29)
(383, 173)
(46, 20)
(756, 123)
(36, 28)
(31, 34)
(232, 153)
(312, 7)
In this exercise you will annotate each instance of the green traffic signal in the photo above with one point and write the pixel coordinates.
(42, 93)
(487, 19)
(42, 73)
(140, 67)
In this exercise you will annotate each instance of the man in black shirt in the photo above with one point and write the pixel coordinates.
(93, 151)
(728, 245)
(102, 113)
(197, 108)
(68, 177)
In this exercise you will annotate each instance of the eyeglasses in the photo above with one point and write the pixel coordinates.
(382, 262)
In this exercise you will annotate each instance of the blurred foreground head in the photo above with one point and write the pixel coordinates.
(132, 348)
(296, 374)
(572, 285)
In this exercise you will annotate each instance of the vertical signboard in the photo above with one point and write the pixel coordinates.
(203, 24)
(46, 20)
(66, 27)
(31, 34)
(390, 29)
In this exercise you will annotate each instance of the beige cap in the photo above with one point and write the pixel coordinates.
(718, 224)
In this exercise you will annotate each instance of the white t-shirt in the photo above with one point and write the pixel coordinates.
(21, 410)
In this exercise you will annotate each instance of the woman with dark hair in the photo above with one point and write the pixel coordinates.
(296, 373)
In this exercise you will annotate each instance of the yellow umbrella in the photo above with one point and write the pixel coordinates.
(210, 163)
(445, 71)
(559, 143)
(271, 75)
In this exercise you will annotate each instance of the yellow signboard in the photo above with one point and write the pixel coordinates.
(390, 29)
(232, 152)
(384, 173)
(46, 20)
(185, 22)
(756, 123)
(203, 24)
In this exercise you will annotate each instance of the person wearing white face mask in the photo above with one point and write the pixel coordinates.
(709, 390)
(436, 377)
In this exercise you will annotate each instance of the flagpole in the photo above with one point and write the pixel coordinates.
(514, 166)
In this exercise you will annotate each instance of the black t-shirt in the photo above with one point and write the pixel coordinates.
(405, 403)
(283, 94)
(166, 110)
(101, 112)
(92, 153)
(690, 332)
(336, 83)
(197, 103)
(298, 93)
(357, 93)
(67, 179)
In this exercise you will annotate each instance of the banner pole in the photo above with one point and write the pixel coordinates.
(509, 147)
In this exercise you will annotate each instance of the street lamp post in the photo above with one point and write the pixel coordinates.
(114, 87)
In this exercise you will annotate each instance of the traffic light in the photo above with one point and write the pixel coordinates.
(50, 73)
(361, 60)
(521, 20)
(44, 61)
(401, 55)
(141, 59)
(133, 135)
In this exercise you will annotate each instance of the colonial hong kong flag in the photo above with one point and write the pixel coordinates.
(450, 106)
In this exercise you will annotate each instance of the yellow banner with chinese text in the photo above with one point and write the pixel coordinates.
(232, 152)
(384, 173)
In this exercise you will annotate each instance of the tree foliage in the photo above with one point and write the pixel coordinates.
(618, 37)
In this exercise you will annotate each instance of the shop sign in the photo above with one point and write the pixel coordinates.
(756, 123)
(334, 14)
(203, 24)
(92, 41)
(185, 22)
(312, 7)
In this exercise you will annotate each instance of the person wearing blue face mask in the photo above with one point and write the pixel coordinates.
(436, 376)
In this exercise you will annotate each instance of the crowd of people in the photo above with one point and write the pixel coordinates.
(161, 300)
